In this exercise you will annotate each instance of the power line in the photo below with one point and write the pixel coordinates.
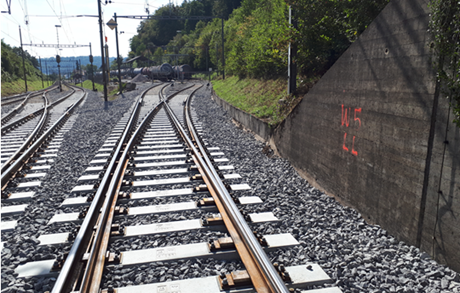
(26, 20)
(23, 12)
(60, 21)
(63, 16)
(56, 45)
(70, 27)
(10, 36)
(30, 35)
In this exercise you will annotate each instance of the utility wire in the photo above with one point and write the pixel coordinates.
(70, 27)
(10, 36)
(60, 21)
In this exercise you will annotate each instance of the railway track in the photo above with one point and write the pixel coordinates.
(359, 257)
(20, 105)
(18, 135)
(19, 98)
(28, 153)
(152, 180)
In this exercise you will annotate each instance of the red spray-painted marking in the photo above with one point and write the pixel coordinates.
(345, 119)
(358, 110)
(353, 148)
(344, 142)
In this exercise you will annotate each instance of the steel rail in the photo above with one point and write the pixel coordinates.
(93, 275)
(271, 282)
(22, 160)
(73, 264)
(8, 116)
(34, 114)
(13, 99)
(162, 98)
(94, 269)
(6, 99)
(20, 95)
(41, 124)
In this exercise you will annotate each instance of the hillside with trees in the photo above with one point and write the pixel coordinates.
(257, 35)
(12, 68)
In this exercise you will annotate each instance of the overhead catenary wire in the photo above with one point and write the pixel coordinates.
(70, 27)
(60, 21)
(26, 21)
(29, 34)
(10, 36)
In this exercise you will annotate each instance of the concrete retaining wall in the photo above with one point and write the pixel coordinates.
(440, 224)
(249, 121)
(367, 134)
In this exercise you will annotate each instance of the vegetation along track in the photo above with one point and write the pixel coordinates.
(154, 179)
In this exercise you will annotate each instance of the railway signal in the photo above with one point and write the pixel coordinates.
(58, 60)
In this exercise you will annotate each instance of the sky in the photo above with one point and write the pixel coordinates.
(43, 15)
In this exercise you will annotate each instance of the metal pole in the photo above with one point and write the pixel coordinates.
(43, 85)
(118, 53)
(207, 65)
(107, 62)
(81, 76)
(59, 66)
(292, 67)
(59, 75)
(223, 57)
(47, 74)
(23, 62)
(217, 60)
(102, 50)
(92, 69)
(75, 73)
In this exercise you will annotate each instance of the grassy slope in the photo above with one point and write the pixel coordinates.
(88, 84)
(260, 98)
(17, 87)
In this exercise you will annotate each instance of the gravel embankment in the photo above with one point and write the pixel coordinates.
(93, 123)
(8, 108)
(359, 257)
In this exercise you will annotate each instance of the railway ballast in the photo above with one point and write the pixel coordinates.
(166, 228)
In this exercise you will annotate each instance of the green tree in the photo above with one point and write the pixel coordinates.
(90, 70)
(445, 27)
(114, 63)
(327, 28)
(12, 68)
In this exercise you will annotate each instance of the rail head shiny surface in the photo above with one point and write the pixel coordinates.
(272, 276)
(94, 268)
(66, 277)
(246, 232)
(20, 157)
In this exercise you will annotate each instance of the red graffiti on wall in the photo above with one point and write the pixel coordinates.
(346, 113)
